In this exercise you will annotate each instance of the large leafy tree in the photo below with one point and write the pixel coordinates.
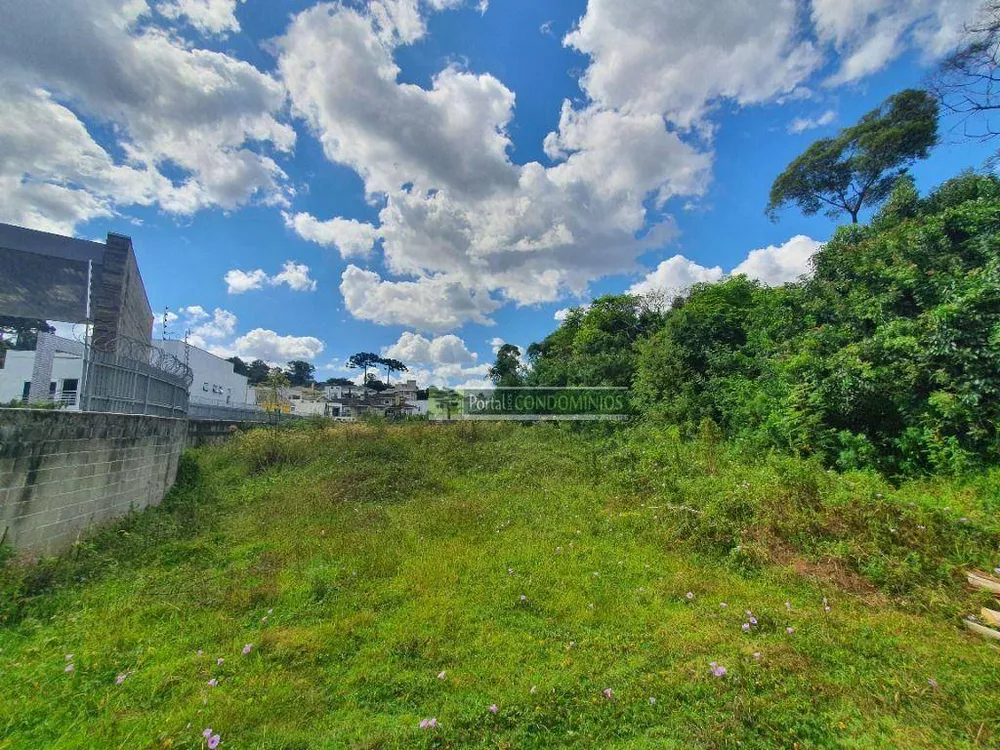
(507, 371)
(239, 366)
(21, 333)
(257, 371)
(858, 168)
(300, 372)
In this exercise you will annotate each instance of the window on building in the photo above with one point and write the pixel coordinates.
(69, 388)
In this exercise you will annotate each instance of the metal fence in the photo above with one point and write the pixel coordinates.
(134, 377)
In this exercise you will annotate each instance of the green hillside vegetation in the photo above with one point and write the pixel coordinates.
(377, 575)
(886, 357)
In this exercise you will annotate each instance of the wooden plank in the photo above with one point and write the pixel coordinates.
(982, 630)
(983, 581)
(990, 617)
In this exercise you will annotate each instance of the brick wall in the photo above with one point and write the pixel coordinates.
(61, 471)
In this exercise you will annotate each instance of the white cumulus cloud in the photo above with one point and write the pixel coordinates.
(350, 236)
(443, 350)
(294, 275)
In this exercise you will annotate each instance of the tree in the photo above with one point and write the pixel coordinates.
(375, 384)
(363, 361)
(391, 366)
(965, 84)
(239, 366)
(21, 333)
(257, 372)
(507, 371)
(339, 381)
(300, 373)
(859, 167)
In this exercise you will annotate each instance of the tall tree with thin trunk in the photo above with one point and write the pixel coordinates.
(363, 361)
(858, 168)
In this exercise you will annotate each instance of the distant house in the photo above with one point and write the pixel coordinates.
(215, 382)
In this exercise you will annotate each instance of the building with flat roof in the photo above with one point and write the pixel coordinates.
(215, 381)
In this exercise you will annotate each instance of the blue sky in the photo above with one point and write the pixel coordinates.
(520, 158)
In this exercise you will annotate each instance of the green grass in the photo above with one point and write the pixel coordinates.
(390, 555)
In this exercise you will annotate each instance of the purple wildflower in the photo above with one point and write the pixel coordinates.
(719, 671)
(689, 595)
(121, 678)
(753, 620)
(69, 668)
(247, 648)
(789, 630)
(493, 708)
(756, 655)
(746, 627)
(206, 732)
(213, 741)
(429, 723)
(213, 682)
(524, 598)
(608, 693)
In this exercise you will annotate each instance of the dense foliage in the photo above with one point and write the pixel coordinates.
(888, 356)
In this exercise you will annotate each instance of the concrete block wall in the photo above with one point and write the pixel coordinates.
(61, 472)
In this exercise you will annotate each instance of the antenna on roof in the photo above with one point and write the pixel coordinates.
(166, 312)
(187, 348)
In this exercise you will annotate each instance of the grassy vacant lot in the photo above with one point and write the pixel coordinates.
(389, 575)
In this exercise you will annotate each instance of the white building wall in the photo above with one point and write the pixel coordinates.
(18, 367)
(214, 382)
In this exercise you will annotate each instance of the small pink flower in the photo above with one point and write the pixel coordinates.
(756, 655)
(247, 648)
(789, 630)
(213, 682)
(753, 620)
(121, 678)
(206, 732)
(428, 723)
(69, 668)
(746, 627)
(608, 693)
(718, 670)
(689, 595)
(524, 598)
(493, 708)
(213, 741)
